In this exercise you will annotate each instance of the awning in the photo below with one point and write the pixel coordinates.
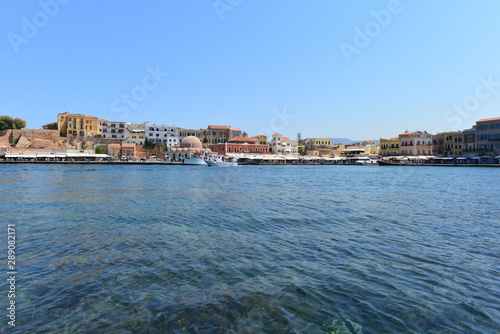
(77, 155)
(20, 155)
(51, 155)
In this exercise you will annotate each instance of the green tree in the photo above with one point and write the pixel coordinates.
(6, 122)
(53, 126)
(302, 150)
(299, 139)
(98, 150)
(19, 123)
(148, 144)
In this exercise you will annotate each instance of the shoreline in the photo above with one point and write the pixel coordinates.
(164, 163)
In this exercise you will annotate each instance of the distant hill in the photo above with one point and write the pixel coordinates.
(347, 141)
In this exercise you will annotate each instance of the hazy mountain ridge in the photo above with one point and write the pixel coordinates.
(347, 141)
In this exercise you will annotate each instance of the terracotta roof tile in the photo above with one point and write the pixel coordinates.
(219, 127)
(489, 119)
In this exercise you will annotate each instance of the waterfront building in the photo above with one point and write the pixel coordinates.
(188, 147)
(319, 147)
(134, 133)
(162, 134)
(71, 125)
(469, 141)
(112, 130)
(261, 139)
(92, 128)
(283, 145)
(353, 152)
(453, 143)
(219, 134)
(337, 149)
(389, 146)
(201, 134)
(415, 143)
(240, 145)
(77, 126)
(488, 135)
(438, 144)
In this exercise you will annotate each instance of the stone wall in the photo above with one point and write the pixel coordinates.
(37, 134)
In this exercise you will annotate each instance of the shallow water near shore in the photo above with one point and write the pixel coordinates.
(253, 249)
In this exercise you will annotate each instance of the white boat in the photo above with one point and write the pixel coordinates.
(367, 162)
(194, 161)
(219, 161)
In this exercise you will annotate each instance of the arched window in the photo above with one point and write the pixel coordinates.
(241, 149)
(229, 148)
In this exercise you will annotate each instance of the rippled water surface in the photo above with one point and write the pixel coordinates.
(292, 249)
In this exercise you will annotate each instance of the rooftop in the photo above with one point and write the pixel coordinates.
(241, 139)
(489, 119)
(219, 127)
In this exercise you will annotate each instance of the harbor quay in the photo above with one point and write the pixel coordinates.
(78, 138)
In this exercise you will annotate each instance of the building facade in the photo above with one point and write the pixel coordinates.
(469, 141)
(112, 130)
(438, 147)
(201, 134)
(319, 147)
(240, 145)
(453, 143)
(261, 139)
(488, 135)
(218, 134)
(92, 127)
(162, 134)
(415, 143)
(283, 145)
(134, 133)
(71, 125)
(389, 147)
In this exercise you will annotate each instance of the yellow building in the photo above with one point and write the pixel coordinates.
(261, 139)
(77, 125)
(453, 143)
(92, 126)
(319, 147)
(389, 146)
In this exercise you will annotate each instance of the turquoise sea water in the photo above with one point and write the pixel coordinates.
(252, 249)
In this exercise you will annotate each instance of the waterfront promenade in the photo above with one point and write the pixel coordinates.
(280, 163)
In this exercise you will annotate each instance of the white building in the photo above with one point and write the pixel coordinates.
(283, 145)
(112, 130)
(135, 134)
(162, 134)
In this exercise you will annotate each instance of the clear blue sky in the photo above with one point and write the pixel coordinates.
(244, 62)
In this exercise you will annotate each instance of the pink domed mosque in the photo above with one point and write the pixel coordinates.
(189, 146)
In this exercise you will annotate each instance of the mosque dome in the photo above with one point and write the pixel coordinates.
(191, 142)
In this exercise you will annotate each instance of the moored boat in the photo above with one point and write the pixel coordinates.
(194, 161)
(390, 163)
(367, 162)
(220, 161)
